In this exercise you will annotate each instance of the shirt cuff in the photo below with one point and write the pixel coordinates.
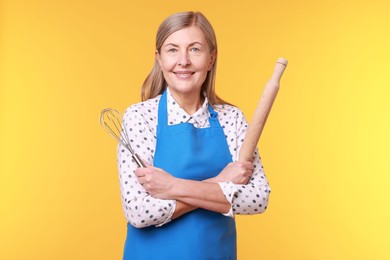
(169, 218)
(229, 189)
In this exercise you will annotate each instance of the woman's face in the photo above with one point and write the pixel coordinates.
(185, 59)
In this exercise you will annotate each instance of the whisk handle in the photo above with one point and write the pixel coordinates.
(138, 160)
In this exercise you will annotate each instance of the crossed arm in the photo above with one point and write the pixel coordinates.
(189, 194)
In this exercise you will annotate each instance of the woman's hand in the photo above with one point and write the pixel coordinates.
(157, 182)
(236, 172)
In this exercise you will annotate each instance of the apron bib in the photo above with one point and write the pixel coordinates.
(196, 154)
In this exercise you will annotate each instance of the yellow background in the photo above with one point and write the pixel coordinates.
(325, 147)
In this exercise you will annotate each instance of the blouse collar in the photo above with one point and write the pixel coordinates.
(177, 115)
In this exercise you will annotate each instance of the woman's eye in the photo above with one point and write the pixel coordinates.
(194, 49)
(172, 50)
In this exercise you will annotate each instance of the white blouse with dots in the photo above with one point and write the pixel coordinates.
(140, 121)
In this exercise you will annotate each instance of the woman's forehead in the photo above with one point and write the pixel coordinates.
(186, 36)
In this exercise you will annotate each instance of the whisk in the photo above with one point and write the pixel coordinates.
(111, 121)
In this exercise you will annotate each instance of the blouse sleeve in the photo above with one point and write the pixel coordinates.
(140, 209)
(251, 198)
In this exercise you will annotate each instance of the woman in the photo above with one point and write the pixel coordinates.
(183, 206)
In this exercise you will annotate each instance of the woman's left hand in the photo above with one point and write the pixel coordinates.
(157, 182)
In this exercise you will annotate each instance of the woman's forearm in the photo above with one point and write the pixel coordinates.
(197, 194)
(181, 209)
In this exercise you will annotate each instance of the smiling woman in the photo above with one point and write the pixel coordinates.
(183, 206)
(325, 150)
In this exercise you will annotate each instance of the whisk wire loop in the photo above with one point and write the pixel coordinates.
(111, 121)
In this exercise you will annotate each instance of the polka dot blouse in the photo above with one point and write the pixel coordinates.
(140, 121)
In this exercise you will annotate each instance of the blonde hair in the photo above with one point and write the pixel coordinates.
(155, 83)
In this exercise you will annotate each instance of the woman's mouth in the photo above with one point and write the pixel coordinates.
(183, 74)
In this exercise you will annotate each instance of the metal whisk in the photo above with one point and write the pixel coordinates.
(111, 121)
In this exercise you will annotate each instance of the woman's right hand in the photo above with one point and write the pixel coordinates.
(236, 172)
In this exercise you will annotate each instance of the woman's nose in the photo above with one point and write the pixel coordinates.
(184, 59)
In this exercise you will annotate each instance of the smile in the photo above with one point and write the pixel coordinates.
(184, 74)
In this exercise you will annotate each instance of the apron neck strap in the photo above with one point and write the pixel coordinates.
(162, 110)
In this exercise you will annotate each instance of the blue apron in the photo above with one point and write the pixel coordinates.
(195, 154)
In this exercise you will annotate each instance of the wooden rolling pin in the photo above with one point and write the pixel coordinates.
(262, 111)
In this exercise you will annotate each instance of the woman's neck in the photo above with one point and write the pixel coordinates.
(189, 102)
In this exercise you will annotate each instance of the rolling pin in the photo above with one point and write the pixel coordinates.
(261, 113)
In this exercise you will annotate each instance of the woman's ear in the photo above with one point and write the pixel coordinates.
(212, 60)
(158, 58)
